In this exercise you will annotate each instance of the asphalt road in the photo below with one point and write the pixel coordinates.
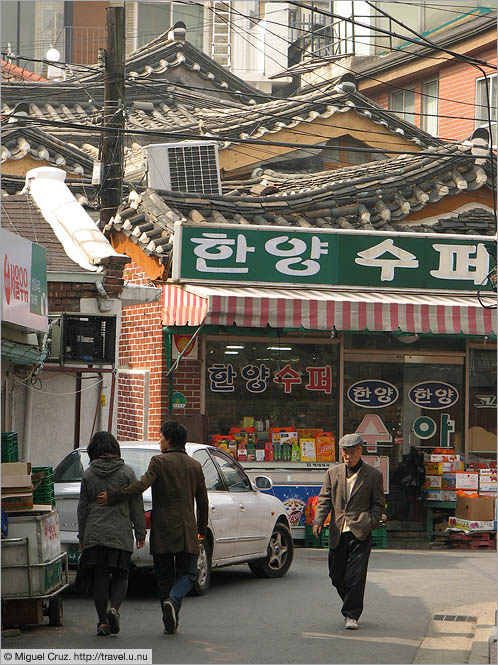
(292, 620)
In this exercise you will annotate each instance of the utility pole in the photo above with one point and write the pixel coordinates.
(114, 101)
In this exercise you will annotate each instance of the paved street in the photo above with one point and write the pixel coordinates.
(292, 620)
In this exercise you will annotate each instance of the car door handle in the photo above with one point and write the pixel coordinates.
(241, 506)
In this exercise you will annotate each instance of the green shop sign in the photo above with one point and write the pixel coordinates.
(268, 255)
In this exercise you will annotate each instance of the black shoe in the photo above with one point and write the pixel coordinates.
(169, 617)
(113, 620)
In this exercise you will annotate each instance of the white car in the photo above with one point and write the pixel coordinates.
(245, 525)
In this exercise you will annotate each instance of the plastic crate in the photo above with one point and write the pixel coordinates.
(324, 537)
(10, 448)
(309, 539)
(379, 538)
(45, 492)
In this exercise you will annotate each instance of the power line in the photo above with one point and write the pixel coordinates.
(200, 137)
(467, 58)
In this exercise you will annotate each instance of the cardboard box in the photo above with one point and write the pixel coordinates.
(440, 495)
(433, 482)
(478, 509)
(17, 503)
(448, 481)
(472, 525)
(16, 476)
(308, 450)
(466, 480)
(488, 486)
(450, 457)
(433, 468)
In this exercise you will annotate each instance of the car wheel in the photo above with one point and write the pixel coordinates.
(279, 557)
(201, 585)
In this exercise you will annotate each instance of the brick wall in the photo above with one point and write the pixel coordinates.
(141, 347)
(457, 91)
(66, 296)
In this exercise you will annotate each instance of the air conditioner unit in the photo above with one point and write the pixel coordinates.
(183, 167)
(88, 339)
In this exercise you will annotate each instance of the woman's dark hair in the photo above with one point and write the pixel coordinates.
(175, 433)
(103, 444)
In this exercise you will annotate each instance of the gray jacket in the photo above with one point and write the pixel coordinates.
(109, 525)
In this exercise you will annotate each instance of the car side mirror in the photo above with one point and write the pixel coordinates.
(263, 483)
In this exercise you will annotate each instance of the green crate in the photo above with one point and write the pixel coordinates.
(45, 492)
(10, 448)
(379, 538)
(324, 538)
(309, 538)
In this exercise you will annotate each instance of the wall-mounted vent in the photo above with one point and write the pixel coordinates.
(88, 339)
(183, 167)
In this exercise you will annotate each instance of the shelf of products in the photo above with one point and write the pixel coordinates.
(278, 445)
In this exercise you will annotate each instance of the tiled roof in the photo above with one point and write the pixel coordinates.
(19, 140)
(374, 196)
(12, 72)
(170, 109)
(21, 215)
(171, 57)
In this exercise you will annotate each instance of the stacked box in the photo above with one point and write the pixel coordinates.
(45, 491)
(487, 482)
(10, 447)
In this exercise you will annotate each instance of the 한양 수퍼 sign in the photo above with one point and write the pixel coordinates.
(269, 255)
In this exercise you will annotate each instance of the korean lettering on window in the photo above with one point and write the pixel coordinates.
(221, 378)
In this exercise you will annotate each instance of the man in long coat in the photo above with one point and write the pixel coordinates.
(176, 480)
(353, 494)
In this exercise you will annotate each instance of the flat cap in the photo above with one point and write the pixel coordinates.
(350, 441)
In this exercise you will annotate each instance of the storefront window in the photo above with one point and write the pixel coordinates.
(482, 402)
(264, 384)
(399, 402)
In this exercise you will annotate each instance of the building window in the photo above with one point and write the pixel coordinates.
(429, 107)
(274, 383)
(482, 114)
(403, 104)
(154, 19)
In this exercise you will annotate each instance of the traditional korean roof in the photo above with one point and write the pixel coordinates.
(170, 57)
(19, 140)
(373, 196)
(187, 114)
(12, 72)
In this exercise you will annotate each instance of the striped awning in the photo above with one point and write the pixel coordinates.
(315, 309)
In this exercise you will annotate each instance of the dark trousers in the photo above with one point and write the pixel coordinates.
(175, 575)
(348, 564)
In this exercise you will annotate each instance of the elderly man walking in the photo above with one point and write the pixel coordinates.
(353, 494)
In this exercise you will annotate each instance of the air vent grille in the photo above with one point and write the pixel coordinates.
(184, 167)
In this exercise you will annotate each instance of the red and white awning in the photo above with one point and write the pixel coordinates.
(315, 309)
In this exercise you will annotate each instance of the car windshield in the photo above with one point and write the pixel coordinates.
(71, 468)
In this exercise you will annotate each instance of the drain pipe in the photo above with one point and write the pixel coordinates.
(28, 420)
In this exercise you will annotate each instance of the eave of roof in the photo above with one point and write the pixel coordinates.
(375, 196)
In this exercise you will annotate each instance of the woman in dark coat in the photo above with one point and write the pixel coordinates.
(105, 532)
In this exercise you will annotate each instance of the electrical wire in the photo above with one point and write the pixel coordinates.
(160, 82)
(372, 78)
(468, 59)
(182, 135)
(45, 392)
